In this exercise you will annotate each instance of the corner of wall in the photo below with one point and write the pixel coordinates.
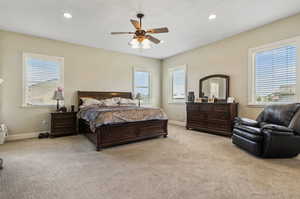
(161, 82)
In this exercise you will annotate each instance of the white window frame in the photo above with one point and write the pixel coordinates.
(171, 100)
(43, 57)
(140, 69)
(252, 70)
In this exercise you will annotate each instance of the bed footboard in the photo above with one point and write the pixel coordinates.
(115, 134)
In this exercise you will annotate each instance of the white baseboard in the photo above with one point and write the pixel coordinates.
(22, 136)
(178, 123)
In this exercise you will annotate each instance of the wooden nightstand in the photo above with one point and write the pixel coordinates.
(63, 123)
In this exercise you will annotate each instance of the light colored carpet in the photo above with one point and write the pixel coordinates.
(186, 165)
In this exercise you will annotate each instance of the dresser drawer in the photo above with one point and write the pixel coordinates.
(218, 116)
(62, 116)
(221, 108)
(196, 116)
(192, 107)
(219, 125)
(206, 107)
(62, 131)
(197, 124)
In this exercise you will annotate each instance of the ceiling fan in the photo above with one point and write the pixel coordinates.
(142, 37)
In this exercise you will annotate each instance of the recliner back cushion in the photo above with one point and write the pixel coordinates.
(279, 114)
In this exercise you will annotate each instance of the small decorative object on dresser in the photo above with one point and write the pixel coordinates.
(191, 96)
(72, 108)
(63, 123)
(230, 100)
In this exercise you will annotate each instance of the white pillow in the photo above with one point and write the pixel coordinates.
(87, 101)
(115, 101)
(127, 101)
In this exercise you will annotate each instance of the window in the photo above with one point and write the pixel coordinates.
(274, 73)
(142, 84)
(41, 77)
(177, 85)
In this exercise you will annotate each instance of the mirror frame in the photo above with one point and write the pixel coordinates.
(226, 77)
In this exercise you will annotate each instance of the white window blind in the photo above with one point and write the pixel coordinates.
(177, 85)
(42, 76)
(274, 73)
(142, 84)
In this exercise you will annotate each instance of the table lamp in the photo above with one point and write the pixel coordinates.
(138, 97)
(58, 95)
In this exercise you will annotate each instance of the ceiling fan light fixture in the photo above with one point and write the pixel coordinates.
(134, 43)
(140, 43)
(146, 44)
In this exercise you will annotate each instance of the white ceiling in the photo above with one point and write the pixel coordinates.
(187, 20)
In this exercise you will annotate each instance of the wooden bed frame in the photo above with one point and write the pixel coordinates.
(115, 134)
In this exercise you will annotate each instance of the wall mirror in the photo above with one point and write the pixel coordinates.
(216, 86)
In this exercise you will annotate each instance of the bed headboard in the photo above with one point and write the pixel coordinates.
(102, 95)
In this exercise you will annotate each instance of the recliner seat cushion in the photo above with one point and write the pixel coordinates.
(251, 133)
(280, 114)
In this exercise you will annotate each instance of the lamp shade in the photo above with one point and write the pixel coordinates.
(138, 96)
(58, 95)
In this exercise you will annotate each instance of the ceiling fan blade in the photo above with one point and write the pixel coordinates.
(136, 24)
(158, 30)
(120, 33)
(153, 39)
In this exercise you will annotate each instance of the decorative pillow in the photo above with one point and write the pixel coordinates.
(87, 101)
(127, 102)
(115, 101)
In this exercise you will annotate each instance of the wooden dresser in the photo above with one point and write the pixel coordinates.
(211, 117)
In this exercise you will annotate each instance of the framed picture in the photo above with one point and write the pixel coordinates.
(211, 100)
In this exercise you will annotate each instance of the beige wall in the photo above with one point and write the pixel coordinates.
(229, 56)
(86, 68)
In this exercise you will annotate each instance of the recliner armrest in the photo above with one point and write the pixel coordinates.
(246, 121)
(279, 128)
(277, 133)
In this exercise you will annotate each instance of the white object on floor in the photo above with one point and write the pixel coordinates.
(3, 133)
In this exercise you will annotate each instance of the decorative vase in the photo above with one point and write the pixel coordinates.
(191, 97)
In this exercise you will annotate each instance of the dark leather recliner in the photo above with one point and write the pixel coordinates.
(274, 134)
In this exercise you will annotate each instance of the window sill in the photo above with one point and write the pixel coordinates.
(253, 105)
(179, 103)
(256, 105)
(38, 106)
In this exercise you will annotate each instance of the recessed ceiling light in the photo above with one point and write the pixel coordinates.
(212, 16)
(67, 15)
